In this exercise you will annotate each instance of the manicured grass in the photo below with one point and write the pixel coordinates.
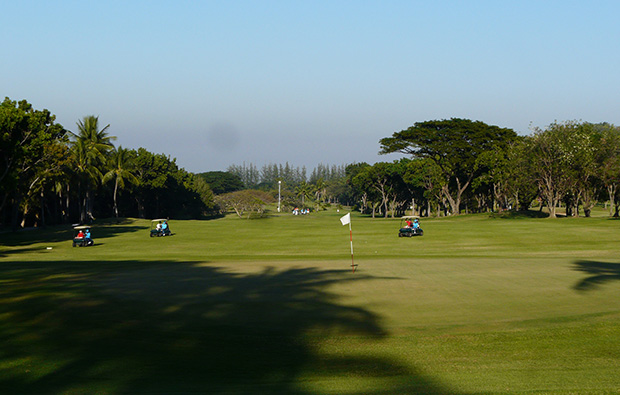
(479, 304)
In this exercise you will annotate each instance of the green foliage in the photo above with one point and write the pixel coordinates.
(454, 145)
(245, 202)
(165, 190)
(120, 170)
(222, 181)
(456, 165)
(31, 154)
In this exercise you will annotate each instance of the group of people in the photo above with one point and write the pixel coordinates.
(414, 225)
(162, 226)
(303, 211)
(83, 235)
(83, 238)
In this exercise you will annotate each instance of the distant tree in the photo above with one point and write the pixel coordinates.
(608, 159)
(165, 190)
(585, 141)
(120, 171)
(90, 147)
(304, 190)
(520, 183)
(454, 145)
(375, 180)
(493, 168)
(426, 175)
(200, 186)
(249, 174)
(359, 190)
(551, 159)
(246, 201)
(222, 181)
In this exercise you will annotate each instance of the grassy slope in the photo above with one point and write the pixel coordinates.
(477, 305)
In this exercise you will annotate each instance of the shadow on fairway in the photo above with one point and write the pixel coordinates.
(62, 233)
(598, 274)
(162, 327)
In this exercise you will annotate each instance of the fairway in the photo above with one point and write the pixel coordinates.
(480, 304)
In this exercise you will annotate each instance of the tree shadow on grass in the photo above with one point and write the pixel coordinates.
(60, 233)
(162, 327)
(598, 273)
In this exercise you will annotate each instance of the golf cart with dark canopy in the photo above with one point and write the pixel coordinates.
(409, 227)
(159, 227)
(81, 236)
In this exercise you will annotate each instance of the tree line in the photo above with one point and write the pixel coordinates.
(51, 175)
(461, 165)
(458, 165)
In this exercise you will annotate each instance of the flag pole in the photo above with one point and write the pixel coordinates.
(351, 236)
(346, 219)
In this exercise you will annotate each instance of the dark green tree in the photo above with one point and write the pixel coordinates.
(359, 193)
(222, 181)
(454, 145)
(608, 160)
(120, 171)
(165, 190)
(91, 146)
(30, 153)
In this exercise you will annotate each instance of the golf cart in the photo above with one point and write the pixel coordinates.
(81, 237)
(408, 228)
(159, 228)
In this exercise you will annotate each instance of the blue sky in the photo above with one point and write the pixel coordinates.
(216, 83)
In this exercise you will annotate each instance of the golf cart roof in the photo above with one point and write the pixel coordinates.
(81, 227)
(157, 220)
(410, 216)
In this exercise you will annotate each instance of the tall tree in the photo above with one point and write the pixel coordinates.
(608, 159)
(28, 149)
(222, 181)
(304, 190)
(454, 145)
(120, 171)
(520, 183)
(551, 159)
(90, 148)
(359, 192)
(425, 174)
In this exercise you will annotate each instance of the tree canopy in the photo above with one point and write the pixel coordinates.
(454, 145)
(51, 175)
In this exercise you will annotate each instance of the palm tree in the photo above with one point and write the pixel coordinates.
(89, 155)
(98, 141)
(121, 164)
(303, 190)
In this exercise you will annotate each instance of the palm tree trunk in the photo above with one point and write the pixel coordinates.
(115, 189)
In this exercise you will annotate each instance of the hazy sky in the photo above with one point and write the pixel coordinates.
(215, 83)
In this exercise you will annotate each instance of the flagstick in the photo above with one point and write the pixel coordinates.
(347, 220)
(351, 235)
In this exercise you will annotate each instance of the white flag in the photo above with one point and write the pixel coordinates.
(346, 219)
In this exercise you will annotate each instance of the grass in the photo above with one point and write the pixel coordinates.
(479, 304)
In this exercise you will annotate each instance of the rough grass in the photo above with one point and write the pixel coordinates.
(479, 304)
